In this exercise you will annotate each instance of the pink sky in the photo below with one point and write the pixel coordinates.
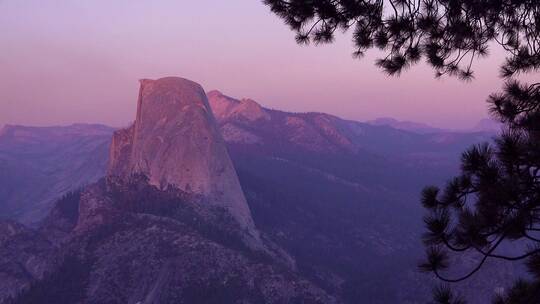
(79, 61)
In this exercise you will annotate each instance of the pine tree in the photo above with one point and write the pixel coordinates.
(496, 197)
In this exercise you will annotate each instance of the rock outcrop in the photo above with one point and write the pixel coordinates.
(175, 141)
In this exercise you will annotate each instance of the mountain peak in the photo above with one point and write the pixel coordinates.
(214, 93)
(225, 107)
(175, 141)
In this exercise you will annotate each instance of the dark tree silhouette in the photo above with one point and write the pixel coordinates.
(496, 198)
(449, 34)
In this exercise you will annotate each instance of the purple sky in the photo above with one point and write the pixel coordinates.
(79, 61)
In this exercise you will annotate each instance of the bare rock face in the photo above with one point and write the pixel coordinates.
(175, 141)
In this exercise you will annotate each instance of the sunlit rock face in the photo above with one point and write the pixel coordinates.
(175, 141)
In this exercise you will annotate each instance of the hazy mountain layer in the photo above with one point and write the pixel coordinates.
(340, 197)
(39, 164)
(343, 197)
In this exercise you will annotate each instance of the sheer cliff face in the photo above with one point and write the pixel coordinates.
(175, 141)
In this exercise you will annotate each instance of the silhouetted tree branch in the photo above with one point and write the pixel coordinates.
(503, 189)
(496, 198)
(448, 34)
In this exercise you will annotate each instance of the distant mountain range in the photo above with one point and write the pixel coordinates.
(484, 125)
(336, 203)
(315, 181)
(405, 125)
(40, 164)
(488, 125)
(30, 156)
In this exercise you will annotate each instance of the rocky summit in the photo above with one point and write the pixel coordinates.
(225, 107)
(175, 141)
